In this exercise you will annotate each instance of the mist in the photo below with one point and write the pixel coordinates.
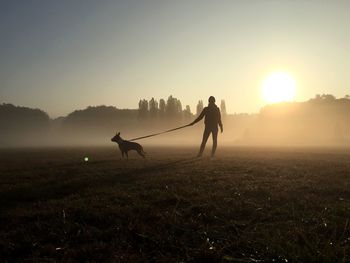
(321, 121)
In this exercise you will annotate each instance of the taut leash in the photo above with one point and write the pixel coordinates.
(155, 134)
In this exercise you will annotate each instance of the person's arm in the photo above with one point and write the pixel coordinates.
(220, 122)
(198, 118)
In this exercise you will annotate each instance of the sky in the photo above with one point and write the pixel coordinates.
(65, 55)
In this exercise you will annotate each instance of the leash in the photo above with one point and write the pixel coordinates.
(155, 134)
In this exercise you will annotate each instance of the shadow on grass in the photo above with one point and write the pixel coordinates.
(54, 189)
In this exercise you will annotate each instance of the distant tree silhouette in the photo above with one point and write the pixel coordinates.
(153, 108)
(323, 98)
(98, 115)
(187, 113)
(199, 107)
(143, 109)
(162, 108)
(171, 107)
(21, 123)
(328, 97)
(317, 97)
(223, 108)
(18, 117)
(178, 107)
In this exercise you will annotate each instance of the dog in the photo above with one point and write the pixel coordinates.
(126, 146)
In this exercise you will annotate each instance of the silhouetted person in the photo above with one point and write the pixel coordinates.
(212, 121)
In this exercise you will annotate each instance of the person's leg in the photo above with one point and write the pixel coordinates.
(206, 134)
(215, 141)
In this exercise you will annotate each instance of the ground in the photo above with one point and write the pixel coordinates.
(246, 205)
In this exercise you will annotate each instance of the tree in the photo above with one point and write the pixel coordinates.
(143, 109)
(162, 107)
(178, 107)
(187, 113)
(171, 107)
(328, 97)
(223, 108)
(17, 124)
(153, 108)
(199, 107)
(323, 98)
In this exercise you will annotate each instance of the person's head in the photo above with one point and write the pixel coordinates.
(211, 100)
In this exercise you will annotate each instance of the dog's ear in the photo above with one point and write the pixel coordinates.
(118, 133)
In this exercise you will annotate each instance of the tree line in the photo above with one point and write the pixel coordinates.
(319, 118)
(20, 124)
(170, 109)
(17, 118)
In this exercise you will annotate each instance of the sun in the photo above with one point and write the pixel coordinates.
(278, 87)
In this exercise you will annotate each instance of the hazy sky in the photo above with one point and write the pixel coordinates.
(63, 55)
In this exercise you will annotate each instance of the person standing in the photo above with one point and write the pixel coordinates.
(212, 120)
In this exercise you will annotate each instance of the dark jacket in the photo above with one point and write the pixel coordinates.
(212, 117)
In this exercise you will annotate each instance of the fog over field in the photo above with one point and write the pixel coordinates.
(321, 121)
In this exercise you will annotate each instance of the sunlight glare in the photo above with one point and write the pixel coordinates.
(278, 87)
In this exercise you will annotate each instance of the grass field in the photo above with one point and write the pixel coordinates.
(247, 205)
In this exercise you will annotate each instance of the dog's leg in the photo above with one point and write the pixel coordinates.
(122, 154)
(127, 156)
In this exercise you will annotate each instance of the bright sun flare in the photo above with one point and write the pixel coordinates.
(278, 87)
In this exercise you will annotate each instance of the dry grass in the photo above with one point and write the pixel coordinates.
(247, 205)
